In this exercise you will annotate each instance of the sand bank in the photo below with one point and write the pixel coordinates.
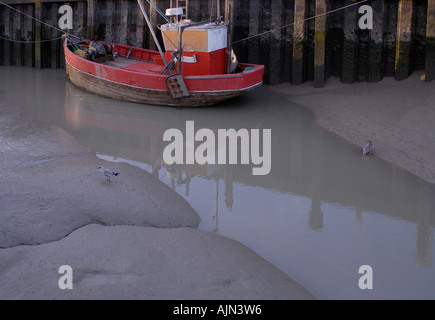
(397, 116)
(131, 238)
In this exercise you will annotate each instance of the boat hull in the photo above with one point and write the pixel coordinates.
(150, 88)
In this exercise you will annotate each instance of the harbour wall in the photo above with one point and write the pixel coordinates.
(307, 44)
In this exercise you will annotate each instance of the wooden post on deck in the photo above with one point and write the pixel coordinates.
(376, 45)
(403, 39)
(430, 42)
(348, 65)
(298, 74)
(229, 18)
(319, 44)
(90, 19)
(38, 16)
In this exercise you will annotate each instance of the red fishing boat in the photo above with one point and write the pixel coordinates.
(197, 67)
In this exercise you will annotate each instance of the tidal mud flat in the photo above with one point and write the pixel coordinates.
(397, 116)
(131, 238)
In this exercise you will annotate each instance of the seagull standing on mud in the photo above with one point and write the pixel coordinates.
(108, 173)
(367, 148)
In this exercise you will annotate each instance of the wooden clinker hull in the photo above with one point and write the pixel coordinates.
(150, 88)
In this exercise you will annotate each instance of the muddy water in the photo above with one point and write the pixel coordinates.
(321, 213)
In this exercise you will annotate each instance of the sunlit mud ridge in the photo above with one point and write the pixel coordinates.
(46, 200)
(130, 238)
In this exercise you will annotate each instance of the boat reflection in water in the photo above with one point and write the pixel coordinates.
(321, 212)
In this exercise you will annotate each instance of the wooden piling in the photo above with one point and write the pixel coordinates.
(254, 28)
(54, 44)
(7, 34)
(194, 10)
(319, 44)
(310, 37)
(110, 8)
(287, 41)
(16, 37)
(28, 36)
(80, 19)
(153, 21)
(275, 42)
(403, 39)
(38, 16)
(348, 65)
(390, 33)
(140, 31)
(212, 10)
(376, 44)
(298, 74)
(123, 28)
(90, 31)
(2, 41)
(430, 42)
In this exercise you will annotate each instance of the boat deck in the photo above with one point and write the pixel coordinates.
(134, 65)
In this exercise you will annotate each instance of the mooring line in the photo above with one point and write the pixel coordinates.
(300, 22)
(40, 21)
(58, 29)
(158, 11)
(32, 17)
(30, 41)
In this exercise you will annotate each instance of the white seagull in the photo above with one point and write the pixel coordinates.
(108, 173)
(367, 148)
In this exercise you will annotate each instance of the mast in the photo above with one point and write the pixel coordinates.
(153, 34)
(228, 20)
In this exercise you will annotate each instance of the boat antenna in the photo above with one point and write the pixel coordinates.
(153, 34)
